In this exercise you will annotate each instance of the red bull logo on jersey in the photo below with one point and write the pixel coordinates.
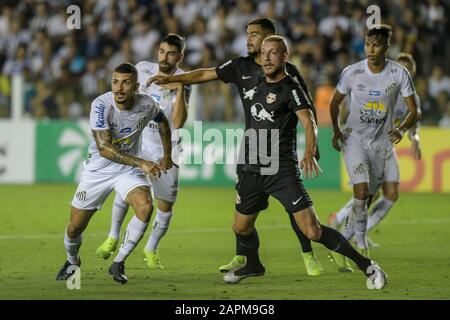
(259, 113)
(373, 112)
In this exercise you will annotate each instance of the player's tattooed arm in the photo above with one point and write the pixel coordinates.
(103, 139)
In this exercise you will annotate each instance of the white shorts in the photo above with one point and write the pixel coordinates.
(166, 187)
(94, 187)
(392, 173)
(365, 166)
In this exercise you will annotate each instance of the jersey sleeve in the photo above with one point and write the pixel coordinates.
(344, 85)
(98, 119)
(228, 72)
(156, 113)
(406, 84)
(297, 99)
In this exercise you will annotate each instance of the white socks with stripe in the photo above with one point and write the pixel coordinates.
(119, 212)
(159, 229)
(133, 234)
(72, 246)
(379, 211)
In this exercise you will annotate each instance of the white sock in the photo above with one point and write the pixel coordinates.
(344, 212)
(72, 246)
(349, 230)
(119, 212)
(133, 234)
(379, 211)
(360, 222)
(159, 229)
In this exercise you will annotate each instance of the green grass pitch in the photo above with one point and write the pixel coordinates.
(414, 238)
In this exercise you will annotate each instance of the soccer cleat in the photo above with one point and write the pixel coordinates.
(107, 248)
(117, 270)
(377, 278)
(236, 275)
(312, 264)
(341, 261)
(237, 262)
(64, 273)
(152, 259)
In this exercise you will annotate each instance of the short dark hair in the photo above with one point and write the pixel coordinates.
(176, 40)
(403, 56)
(382, 31)
(127, 68)
(266, 24)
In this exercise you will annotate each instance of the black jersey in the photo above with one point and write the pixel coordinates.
(245, 74)
(273, 106)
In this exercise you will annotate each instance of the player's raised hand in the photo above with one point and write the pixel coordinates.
(310, 167)
(396, 135)
(338, 140)
(158, 79)
(152, 168)
(166, 162)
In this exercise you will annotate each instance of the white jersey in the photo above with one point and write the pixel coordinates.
(125, 126)
(152, 147)
(373, 97)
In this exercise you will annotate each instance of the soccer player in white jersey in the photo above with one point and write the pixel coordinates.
(374, 85)
(117, 119)
(165, 188)
(391, 180)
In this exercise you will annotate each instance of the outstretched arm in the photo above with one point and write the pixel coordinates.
(192, 77)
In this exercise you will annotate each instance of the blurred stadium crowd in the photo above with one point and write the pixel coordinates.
(65, 69)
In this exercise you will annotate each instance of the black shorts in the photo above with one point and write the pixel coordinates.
(253, 191)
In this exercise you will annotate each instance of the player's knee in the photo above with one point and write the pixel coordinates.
(144, 210)
(74, 231)
(361, 194)
(314, 234)
(242, 229)
(391, 195)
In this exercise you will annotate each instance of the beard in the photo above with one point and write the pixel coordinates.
(165, 67)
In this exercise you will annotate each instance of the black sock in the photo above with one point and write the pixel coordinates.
(304, 241)
(240, 250)
(335, 241)
(250, 246)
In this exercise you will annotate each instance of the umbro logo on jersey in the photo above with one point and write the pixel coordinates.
(360, 87)
(246, 77)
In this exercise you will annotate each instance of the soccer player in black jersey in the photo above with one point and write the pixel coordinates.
(244, 72)
(277, 105)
